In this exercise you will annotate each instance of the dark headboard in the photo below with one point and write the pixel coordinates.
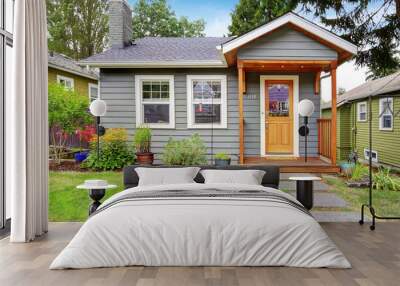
(270, 179)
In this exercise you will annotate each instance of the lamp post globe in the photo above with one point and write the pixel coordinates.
(98, 108)
(306, 108)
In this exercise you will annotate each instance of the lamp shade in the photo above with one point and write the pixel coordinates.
(98, 107)
(306, 108)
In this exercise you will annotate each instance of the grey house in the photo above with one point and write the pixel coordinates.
(240, 94)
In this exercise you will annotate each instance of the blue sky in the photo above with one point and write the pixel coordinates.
(217, 16)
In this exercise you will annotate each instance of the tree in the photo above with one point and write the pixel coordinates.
(77, 28)
(374, 26)
(68, 112)
(155, 18)
(249, 14)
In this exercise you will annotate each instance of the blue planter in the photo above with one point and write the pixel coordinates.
(81, 156)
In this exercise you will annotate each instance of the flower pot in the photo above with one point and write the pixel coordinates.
(81, 156)
(145, 158)
(222, 162)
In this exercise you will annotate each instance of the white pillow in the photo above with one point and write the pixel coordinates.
(248, 177)
(166, 176)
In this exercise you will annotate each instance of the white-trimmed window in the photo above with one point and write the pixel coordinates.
(386, 113)
(155, 104)
(207, 101)
(373, 153)
(93, 91)
(362, 110)
(66, 81)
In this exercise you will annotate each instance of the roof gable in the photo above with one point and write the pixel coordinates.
(297, 22)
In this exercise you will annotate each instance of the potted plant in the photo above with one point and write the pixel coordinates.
(222, 160)
(84, 135)
(142, 144)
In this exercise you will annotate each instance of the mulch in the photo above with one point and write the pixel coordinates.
(66, 165)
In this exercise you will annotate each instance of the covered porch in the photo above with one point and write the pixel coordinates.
(279, 65)
(322, 149)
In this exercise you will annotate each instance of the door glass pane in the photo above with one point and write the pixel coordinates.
(278, 100)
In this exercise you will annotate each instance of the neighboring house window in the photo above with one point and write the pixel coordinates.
(374, 155)
(207, 101)
(93, 92)
(386, 113)
(65, 81)
(155, 101)
(362, 111)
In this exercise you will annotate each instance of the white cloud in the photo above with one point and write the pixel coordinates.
(349, 76)
(218, 25)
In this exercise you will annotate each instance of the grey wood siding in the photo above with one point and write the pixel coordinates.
(252, 113)
(286, 44)
(117, 87)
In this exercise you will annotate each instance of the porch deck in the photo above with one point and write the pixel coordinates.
(295, 165)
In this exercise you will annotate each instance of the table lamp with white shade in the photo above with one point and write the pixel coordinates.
(98, 108)
(306, 109)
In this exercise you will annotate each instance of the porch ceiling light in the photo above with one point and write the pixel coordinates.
(306, 108)
(98, 108)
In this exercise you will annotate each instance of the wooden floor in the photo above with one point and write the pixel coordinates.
(295, 165)
(375, 257)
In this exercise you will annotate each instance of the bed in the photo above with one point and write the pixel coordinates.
(201, 224)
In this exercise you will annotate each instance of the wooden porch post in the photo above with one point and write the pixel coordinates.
(333, 117)
(241, 117)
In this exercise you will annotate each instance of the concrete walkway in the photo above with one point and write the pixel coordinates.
(323, 199)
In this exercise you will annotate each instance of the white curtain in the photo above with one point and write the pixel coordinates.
(27, 127)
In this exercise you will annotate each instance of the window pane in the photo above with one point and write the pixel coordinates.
(9, 13)
(165, 86)
(146, 94)
(206, 89)
(146, 86)
(386, 106)
(387, 121)
(155, 86)
(363, 116)
(207, 113)
(164, 95)
(156, 113)
(278, 100)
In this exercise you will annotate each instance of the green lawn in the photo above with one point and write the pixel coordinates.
(66, 202)
(386, 203)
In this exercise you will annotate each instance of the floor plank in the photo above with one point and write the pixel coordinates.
(375, 257)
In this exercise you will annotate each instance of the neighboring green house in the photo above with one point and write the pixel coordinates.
(352, 121)
(66, 71)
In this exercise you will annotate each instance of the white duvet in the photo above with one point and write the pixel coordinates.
(202, 232)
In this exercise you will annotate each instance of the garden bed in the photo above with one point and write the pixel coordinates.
(66, 165)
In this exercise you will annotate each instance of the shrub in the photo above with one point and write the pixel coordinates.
(68, 111)
(382, 180)
(142, 139)
(358, 172)
(221, 156)
(115, 152)
(186, 152)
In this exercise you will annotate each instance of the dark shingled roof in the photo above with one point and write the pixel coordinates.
(62, 62)
(377, 87)
(153, 49)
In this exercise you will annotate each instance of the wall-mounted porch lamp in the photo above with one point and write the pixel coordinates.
(98, 108)
(306, 109)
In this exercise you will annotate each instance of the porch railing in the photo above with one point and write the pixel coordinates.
(324, 137)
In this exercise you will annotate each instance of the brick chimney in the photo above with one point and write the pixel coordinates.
(120, 24)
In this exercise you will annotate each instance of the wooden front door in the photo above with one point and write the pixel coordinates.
(279, 117)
